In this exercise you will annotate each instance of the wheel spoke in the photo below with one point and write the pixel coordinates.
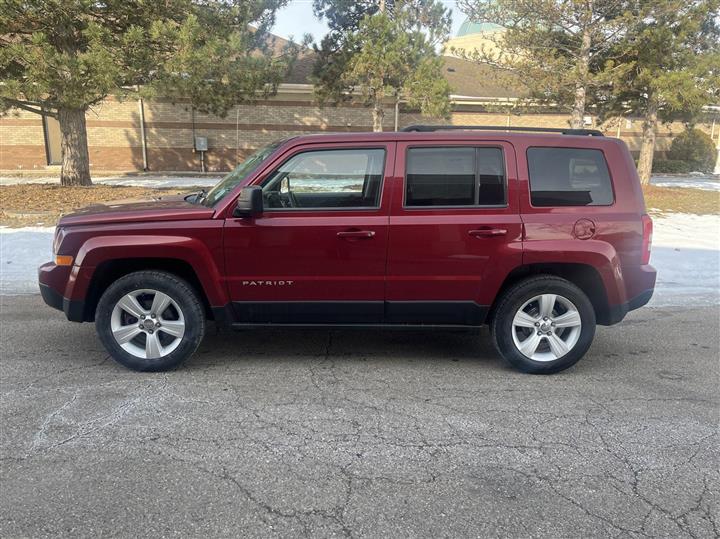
(130, 305)
(568, 320)
(176, 328)
(529, 345)
(153, 349)
(160, 303)
(125, 334)
(557, 346)
(524, 320)
(547, 302)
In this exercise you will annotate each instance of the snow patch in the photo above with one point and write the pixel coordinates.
(686, 254)
(706, 182)
(22, 250)
(149, 182)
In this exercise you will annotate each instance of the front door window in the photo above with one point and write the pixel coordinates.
(323, 179)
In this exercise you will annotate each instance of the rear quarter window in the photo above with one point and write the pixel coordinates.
(569, 177)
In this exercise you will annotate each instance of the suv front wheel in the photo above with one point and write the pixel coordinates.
(543, 325)
(150, 320)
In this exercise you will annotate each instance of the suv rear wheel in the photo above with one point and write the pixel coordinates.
(543, 325)
(150, 320)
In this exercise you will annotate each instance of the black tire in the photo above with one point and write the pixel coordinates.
(515, 297)
(184, 296)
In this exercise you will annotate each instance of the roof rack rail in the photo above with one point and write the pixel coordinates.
(564, 131)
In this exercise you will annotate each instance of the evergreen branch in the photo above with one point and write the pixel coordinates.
(28, 106)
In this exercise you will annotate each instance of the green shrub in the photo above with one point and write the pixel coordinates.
(696, 148)
(671, 166)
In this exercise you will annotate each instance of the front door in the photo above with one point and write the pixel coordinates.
(317, 253)
(455, 231)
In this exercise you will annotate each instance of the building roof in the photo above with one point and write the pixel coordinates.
(478, 80)
(468, 28)
(466, 78)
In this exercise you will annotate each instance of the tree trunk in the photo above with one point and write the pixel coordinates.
(74, 147)
(378, 114)
(577, 117)
(647, 146)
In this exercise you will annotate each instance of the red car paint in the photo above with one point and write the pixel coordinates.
(390, 265)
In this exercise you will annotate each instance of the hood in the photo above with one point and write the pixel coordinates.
(171, 208)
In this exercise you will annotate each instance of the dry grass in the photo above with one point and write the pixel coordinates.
(42, 205)
(682, 200)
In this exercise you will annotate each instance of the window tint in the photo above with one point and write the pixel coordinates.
(327, 179)
(455, 177)
(568, 177)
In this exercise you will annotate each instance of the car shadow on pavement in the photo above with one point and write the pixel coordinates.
(388, 345)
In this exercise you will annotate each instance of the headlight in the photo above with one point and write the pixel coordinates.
(60, 260)
(57, 239)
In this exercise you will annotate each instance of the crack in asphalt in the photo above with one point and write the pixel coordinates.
(328, 437)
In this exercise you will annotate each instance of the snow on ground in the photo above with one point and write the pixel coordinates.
(695, 180)
(22, 250)
(686, 253)
(125, 181)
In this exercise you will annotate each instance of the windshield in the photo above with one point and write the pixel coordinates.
(232, 180)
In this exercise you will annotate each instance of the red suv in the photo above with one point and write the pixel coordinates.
(541, 236)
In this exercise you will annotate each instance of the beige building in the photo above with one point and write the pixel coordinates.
(472, 37)
(129, 135)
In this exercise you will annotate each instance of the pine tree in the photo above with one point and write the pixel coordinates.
(58, 58)
(674, 59)
(380, 50)
(558, 49)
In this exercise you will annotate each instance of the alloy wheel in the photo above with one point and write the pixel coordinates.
(546, 327)
(147, 324)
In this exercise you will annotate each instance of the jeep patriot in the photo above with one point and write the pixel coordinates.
(539, 235)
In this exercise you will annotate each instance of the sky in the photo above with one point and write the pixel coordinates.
(297, 19)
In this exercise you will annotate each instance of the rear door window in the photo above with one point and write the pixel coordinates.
(569, 177)
(455, 176)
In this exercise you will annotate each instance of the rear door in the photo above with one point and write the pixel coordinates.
(317, 254)
(455, 231)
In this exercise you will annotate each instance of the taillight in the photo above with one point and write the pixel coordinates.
(647, 238)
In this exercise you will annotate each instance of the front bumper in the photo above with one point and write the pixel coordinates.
(53, 278)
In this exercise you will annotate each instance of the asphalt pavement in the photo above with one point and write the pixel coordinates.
(355, 433)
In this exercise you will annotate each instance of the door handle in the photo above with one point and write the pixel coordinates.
(356, 234)
(487, 232)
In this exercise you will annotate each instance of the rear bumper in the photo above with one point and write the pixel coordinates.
(639, 284)
(50, 277)
(617, 312)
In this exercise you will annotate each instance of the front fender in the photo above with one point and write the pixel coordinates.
(99, 249)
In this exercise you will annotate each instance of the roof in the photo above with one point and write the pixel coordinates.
(389, 136)
(468, 28)
(466, 78)
(479, 80)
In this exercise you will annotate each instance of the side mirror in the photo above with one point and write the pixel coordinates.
(250, 202)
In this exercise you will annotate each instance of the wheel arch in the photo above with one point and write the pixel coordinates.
(584, 276)
(109, 271)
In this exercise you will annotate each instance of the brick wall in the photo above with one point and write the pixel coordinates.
(22, 141)
(114, 136)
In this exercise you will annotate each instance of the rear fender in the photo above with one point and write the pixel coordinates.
(598, 254)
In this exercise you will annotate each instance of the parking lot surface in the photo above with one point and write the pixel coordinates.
(357, 433)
